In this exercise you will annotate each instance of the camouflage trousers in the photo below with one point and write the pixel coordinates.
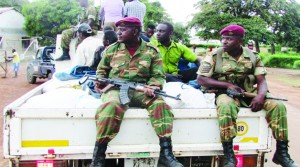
(110, 114)
(66, 37)
(228, 108)
(69, 34)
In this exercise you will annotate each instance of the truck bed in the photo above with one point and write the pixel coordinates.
(64, 134)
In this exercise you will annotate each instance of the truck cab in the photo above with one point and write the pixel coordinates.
(42, 65)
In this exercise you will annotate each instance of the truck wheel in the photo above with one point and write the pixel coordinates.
(50, 76)
(30, 78)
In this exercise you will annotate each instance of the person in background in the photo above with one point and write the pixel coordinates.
(148, 34)
(132, 59)
(228, 68)
(150, 31)
(111, 11)
(16, 62)
(172, 52)
(135, 8)
(84, 54)
(89, 15)
(109, 38)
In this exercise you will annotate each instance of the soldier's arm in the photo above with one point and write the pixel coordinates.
(156, 71)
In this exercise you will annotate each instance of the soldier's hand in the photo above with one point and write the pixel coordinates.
(149, 90)
(237, 89)
(257, 103)
(99, 86)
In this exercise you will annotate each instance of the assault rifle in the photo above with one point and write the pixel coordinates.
(124, 87)
(233, 94)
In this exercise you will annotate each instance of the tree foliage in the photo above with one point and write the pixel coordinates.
(155, 13)
(267, 21)
(180, 34)
(47, 18)
(17, 4)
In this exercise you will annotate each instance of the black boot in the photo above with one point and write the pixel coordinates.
(166, 156)
(64, 56)
(281, 156)
(229, 157)
(99, 155)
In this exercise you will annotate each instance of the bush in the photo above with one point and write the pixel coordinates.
(296, 64)
(204, 45)
(281, 60)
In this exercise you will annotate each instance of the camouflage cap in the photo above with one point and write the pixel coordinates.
(85, 28)
(233, 30)
(129, 21)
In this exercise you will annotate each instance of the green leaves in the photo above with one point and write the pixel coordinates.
(47, 18)
(276, 21)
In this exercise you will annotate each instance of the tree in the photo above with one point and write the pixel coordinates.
(47, 18)
(263, 19)
(180, 34)
(155, 13)
(17, 4)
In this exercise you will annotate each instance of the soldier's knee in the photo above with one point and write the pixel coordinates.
(274, 104)
(224, 100)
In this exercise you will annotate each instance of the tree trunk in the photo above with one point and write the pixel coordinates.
(272, 48)
(257, 47)
(298, 49)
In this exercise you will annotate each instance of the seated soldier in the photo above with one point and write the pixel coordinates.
(228, 68)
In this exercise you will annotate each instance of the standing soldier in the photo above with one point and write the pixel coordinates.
(231, 67)
(132, 59)
(89, 15)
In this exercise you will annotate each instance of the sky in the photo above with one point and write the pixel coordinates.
(179, 10)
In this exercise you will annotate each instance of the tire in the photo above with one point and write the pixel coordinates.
(49, 75)
(30, 78)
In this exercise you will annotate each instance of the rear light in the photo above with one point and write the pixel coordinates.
(246, 160)
(43, 163)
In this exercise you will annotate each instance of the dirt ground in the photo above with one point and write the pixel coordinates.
(281, 82)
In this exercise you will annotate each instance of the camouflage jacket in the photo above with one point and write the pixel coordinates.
(145, 66)
(232, 71)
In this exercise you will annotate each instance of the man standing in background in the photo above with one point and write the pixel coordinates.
(111, 11)
(135, 8)
(16, 62)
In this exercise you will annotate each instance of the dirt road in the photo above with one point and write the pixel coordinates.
(282, 83)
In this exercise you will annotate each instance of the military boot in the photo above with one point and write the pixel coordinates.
(64, 56)
(166, 156)
(99, 155)
(281, 156)
(229, 157)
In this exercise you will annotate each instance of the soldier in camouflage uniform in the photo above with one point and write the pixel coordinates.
(88, 15)
(132, 59)
(236, 65)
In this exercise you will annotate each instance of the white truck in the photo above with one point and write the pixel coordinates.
(64, 136)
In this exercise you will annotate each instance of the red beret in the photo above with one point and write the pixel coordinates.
(129, 21)
(233, 30)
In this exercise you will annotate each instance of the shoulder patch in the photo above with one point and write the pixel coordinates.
(205, 67)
